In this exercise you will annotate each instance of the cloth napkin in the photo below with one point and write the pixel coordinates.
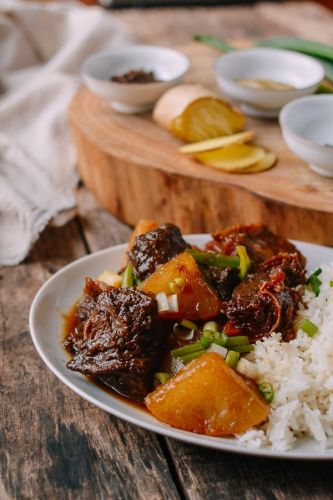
(42, 46)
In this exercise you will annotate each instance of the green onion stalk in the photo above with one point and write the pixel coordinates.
(212, 259)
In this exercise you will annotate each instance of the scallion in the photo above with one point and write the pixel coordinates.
(186, 349)
(267, 391)
(209, 337)
(243, 348)
(193, 355)
(211, 325)
(308, 327)
(213, 259)
(314, 282)
(331, 284)
(127, 277)
(244, 261)
(238, 340)
(161, 378)
(188, 324)
(232, 358)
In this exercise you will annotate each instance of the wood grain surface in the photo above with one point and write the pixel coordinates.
(55, 445)
(134, 168)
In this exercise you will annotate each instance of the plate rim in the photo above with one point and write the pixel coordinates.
(159, 427)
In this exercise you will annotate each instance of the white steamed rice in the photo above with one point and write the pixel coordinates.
(301, 373)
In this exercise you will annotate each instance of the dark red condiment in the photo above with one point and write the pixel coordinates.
(135, 76)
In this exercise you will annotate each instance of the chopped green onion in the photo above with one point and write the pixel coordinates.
(161, 378)
(188, 324)
(316, 272)
(194, 355)
(267, 391)
(186, 349)
(331, 284)
(127, 277)
(209, 337)
(243, 348)
(211, 325)
(314, 282)
(308, 327)
(136, 280)
(213, 259)
(238, 340)
(232, 358)
(244, 261)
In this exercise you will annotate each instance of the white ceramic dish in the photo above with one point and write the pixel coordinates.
(62, 290)
(169, 66)
(307, 128)
(301, 71)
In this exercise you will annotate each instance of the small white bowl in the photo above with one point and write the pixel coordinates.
(307, 128)
(302, 72)
(169, 66)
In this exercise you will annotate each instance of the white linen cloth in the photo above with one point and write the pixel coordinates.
(42, 46)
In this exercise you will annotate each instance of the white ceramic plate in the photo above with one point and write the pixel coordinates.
(59, 293)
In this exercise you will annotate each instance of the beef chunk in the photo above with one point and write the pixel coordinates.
(155, 247)
(263, 303)
(121, 338)
(290, 264)
(222, 280)
(261, 244)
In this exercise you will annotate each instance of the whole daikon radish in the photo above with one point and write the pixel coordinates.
(194, 113)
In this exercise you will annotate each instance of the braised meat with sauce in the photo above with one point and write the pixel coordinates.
(261, 244)
(263, 303)
(155, 247)
(119, 338)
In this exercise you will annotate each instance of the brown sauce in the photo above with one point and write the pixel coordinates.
(69, 325)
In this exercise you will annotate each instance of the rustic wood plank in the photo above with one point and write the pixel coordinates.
(100, 228)
(210, 475)
(53, 443)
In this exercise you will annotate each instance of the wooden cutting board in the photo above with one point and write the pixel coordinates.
(135, 170)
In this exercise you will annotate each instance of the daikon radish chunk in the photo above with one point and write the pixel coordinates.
(232, 158)
(193, 113)
(208, 397)
(218, 142)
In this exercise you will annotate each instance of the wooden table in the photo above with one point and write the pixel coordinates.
(56, 445)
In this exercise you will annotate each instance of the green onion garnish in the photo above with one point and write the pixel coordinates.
(193, 355)
(314, 282)
(161, 378)
(308, 327)
(238, 340)
(243, 348)
(267, 391)
(232, 358)
(210, 337)
(244, 261)
(210, 325)
(188, 324)
(213, 259)
(127, 277)
(136, 280)
(186, 349)
(331, 284)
